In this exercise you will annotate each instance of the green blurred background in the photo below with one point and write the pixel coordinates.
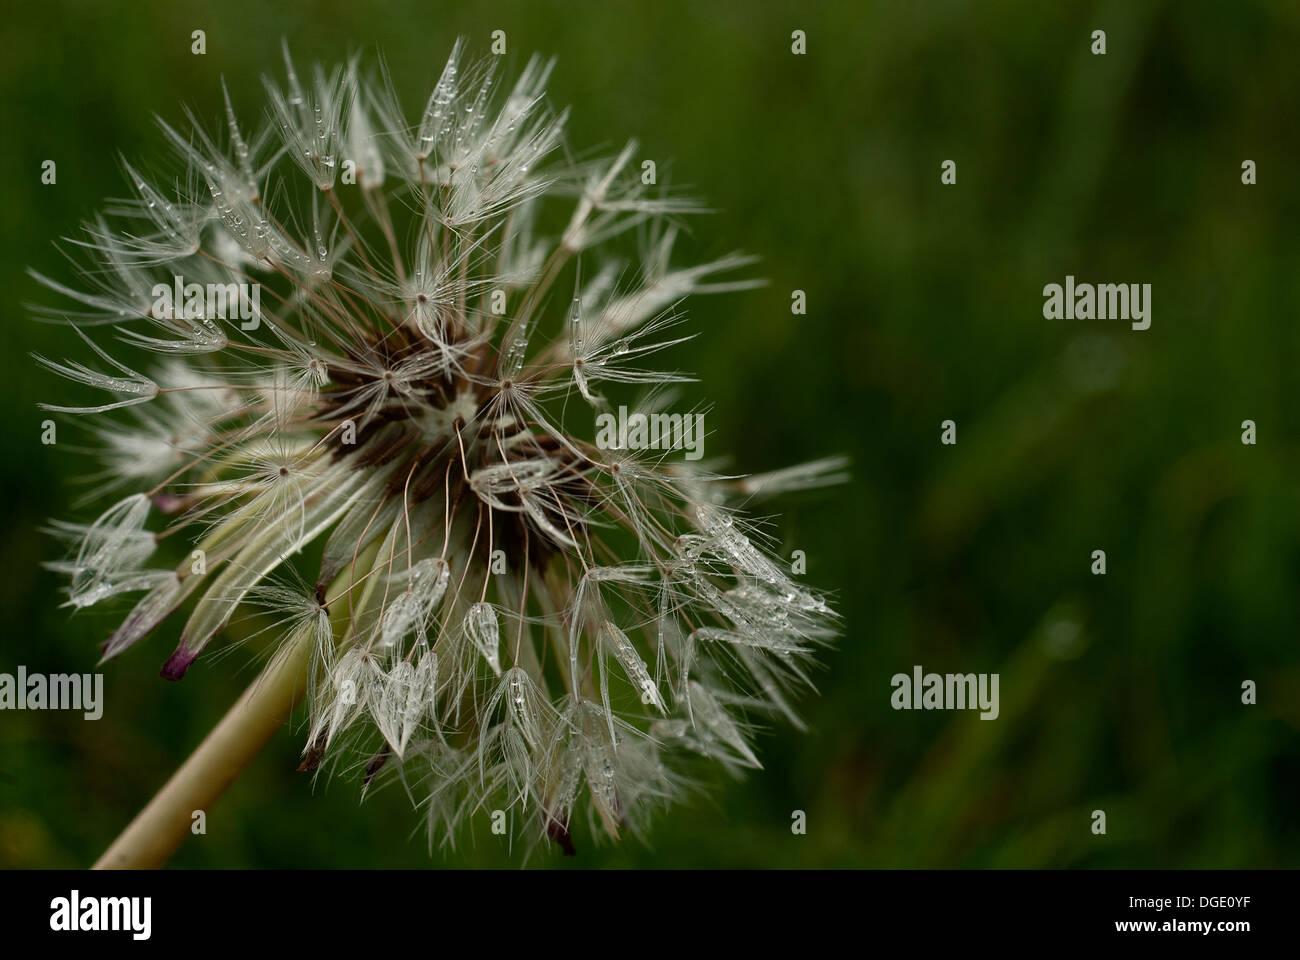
(1119, 692)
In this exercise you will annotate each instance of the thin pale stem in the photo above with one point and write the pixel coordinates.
(157, 830)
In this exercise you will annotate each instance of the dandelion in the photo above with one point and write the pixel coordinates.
(504, 615)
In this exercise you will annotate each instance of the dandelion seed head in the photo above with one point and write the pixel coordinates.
(503, 615)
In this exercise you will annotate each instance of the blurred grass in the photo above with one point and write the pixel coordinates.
(1119, 692)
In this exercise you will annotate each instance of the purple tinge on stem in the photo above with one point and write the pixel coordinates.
(178, 663)
(559, 832)
(169, 502)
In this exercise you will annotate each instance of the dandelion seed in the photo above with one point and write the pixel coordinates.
(482, 626)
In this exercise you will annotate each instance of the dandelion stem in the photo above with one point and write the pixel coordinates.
(157, 830)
